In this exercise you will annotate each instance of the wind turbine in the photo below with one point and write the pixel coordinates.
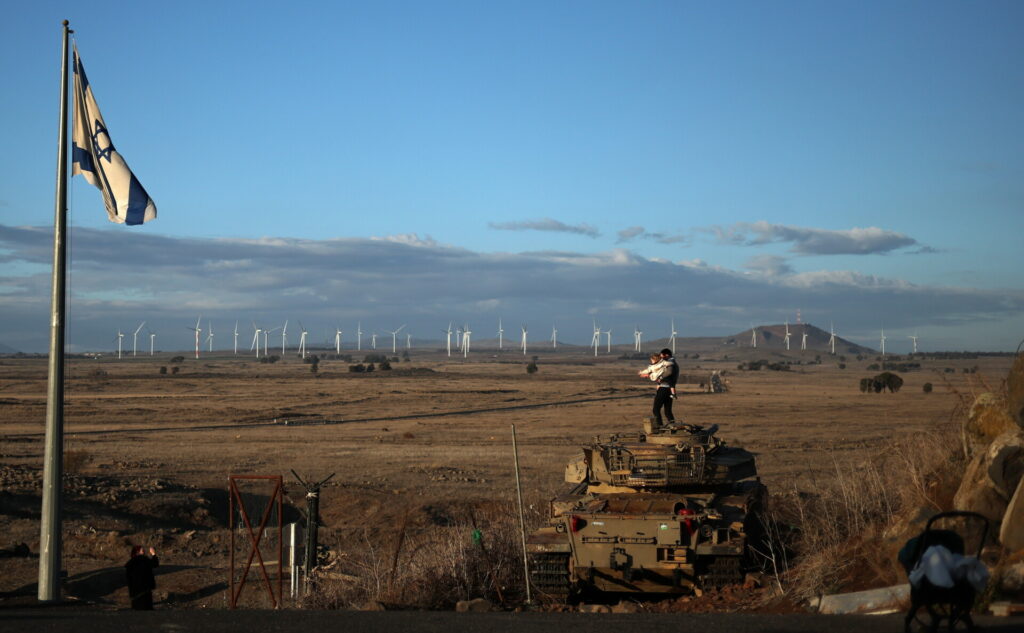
(673, 337)
(373, 340)
(753, 336)
(595, 340)
(501, 333)
(787, 336)
(266, 340)
(883, 344)
(914, 339)
(803, 339)
(359, 337)
(135, 337)
(120, 335)
(524, 339)
(832, 339)
(637, 338)
(236, 338)
(394, 339)
(152, 338)
(408, 341)
(337, 340)
(284, 337)
(554, 337)
(302, 340)
(198, 330)
(449, 333)
(209, 336)
(458, 337)
(465, 341)
(609, 335)
(255, 339)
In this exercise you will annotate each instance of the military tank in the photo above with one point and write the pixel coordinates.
(670, 509)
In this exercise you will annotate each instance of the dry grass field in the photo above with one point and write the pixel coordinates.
(432, 433)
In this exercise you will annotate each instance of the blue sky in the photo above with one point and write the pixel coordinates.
(857, 160)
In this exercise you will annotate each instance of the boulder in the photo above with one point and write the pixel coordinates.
(625, 606)
(1015, 391)
(1006, 462)
(1011, 581)
(988, 418)
(1011, 532)
(978, 494)
(595, 608)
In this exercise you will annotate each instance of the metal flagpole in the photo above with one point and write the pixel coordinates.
(50, 542)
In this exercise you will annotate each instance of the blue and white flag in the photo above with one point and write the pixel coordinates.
(93, 155)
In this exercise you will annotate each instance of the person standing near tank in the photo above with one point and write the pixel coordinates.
(139, 572)
(666, 391)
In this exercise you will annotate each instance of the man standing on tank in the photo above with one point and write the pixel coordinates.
(666, 389)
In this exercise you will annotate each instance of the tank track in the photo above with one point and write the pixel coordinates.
(723, 571)
(549, 576)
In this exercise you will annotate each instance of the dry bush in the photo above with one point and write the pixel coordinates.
(75, 460)
(431, 568)
(845, 534)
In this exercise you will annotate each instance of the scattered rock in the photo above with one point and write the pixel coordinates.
(1006, 454)
(625, 607)
(476, 605)
(1011, 532)
(595, 608)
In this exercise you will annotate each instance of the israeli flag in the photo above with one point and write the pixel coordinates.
(93, 155)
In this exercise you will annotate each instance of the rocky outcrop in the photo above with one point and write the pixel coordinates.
(1011, 532)
(1015, 391)
(989, 419)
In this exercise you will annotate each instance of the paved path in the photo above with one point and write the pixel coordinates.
(66, 619)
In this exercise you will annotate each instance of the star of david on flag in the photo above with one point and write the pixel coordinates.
(93, 155)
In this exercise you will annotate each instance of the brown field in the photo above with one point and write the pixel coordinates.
(412, 439)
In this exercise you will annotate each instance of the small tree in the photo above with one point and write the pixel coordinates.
(531, 368)
(163, 371)
(385, 365)
(842, 365)
(174, 370)
(314, 367)
(927, 387)
(370, 367)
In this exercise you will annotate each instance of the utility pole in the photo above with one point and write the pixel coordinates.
(312, 520)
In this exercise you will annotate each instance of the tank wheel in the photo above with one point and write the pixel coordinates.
(550, 576)
(722, 571)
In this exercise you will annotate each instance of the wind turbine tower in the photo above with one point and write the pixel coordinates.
(914, 339)
(608, 333)
(803, 339)
(832, 339)
(787, 336)
(501, 333)
(198, 330)
(449, 338)
(394, 339)
(595, 340)
(554, 337)
(209, 336)
(465, 341)
(266, 340)
(753, 336)
(408, 341)
(302, 340)
(152, 341)
(135, 337)
(637, 338)
(120, 335)
(284, 337)
(359, 337)
(883, 344)
(236, 338)
(673, 338)
(373, 340)
(337, 340)
(255, 339)
(524, 339)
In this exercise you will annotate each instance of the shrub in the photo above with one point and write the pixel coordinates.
(163, 370)
(873, 367)
(842, 365)
(357, 369)
(374, 358)
(370, 367)
(385, 365)
(178, 359)
(927, 387)
(314, 368)
(174, 370)
(531, 368)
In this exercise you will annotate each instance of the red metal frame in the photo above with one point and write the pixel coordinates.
(235, 496)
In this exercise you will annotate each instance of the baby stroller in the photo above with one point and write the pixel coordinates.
(944, 579)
